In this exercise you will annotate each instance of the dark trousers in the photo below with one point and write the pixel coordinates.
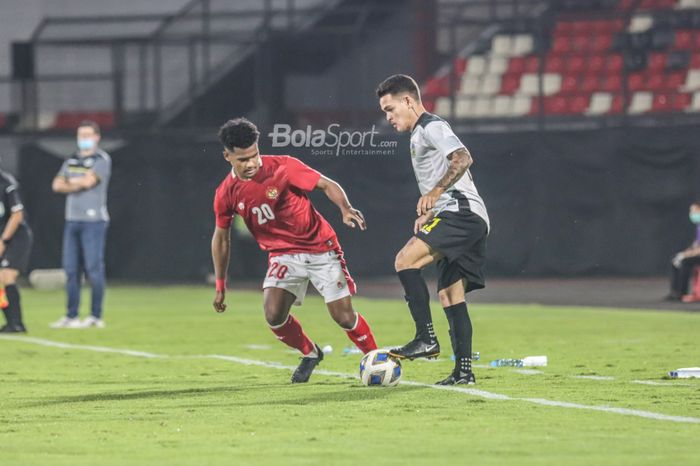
(681, 276)
(84, 249)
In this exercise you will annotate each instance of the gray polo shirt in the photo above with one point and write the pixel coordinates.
(89, 205)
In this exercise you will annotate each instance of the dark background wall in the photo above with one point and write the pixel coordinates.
(611, 202)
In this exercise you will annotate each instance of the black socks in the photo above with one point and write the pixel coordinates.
(13, 313)
(460, 335)
(418, 300)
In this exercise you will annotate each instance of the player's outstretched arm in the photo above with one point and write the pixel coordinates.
(335, 193)
(460, 161)
(220, 249)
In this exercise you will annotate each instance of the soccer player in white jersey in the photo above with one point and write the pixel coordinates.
(450, 229)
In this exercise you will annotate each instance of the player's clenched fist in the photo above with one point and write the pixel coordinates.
(219, 304)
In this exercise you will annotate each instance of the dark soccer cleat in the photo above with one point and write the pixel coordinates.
(458, 378)
(306, 367)
(13, 329)
(417, 349)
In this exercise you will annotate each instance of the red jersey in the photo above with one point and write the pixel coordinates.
(275, 208)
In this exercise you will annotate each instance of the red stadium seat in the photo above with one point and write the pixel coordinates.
(595, 64)
(579, 104)
(636, 82)
(532, 64)
(696, 40)
(675, 80)
(582, 43)
(564, 28)
(682, 101)
(695, 60)
(626, 4)
(656, 82)
(516, 65)
(554, 64)
(663, 102)
(71, 120)
(429, 104)
(569, 84)
(561, 44)
(612, 83)
(657, 61)
(437, 87)
(614, 63)
(510, 83)
(555, 105)
(590, 83)
(583, 27)
(617, 105)
(683, 40)
(460, 66)
(600, 42)
(576, 64)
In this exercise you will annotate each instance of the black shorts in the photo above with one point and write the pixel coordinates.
(17, 250)
(461, 238)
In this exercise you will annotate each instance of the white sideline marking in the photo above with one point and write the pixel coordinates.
(528, 371)
(593, 377)
(274, 365)
(662, 384)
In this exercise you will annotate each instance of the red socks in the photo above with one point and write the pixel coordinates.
(291, 334)
(361, 335)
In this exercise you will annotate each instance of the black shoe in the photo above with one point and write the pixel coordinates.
(672, 297)
(13, 329)
(458, 378)
(417, 349)
(306, 367)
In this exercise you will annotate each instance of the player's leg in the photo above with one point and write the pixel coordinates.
(330, 276)
(414, 256)
(93, 239)
(71, 266)
(353, 323)
(285, 283)
(455, 306)
(13, 312)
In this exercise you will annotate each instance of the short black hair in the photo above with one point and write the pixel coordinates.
(398, 84)
(238, 132)
(90, 124)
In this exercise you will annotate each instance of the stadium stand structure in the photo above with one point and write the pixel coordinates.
(593, 58)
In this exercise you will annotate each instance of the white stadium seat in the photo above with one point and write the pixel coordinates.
(477, 65)
(695, 104)
(522, 45)
(501, 45)
(497, 65)
(521, 105)
(482, 107)
(640, 23)
(463, 108)
(529, 84)
(641, 102)
(470, 85)
(442, 106)
(692, 80)
(502, 105)
(490, 84)
(600, 103)
(691, 4)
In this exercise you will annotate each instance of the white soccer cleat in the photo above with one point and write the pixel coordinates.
(66, 322)
(92, 321)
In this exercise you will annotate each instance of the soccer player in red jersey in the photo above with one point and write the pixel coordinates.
(269, 193)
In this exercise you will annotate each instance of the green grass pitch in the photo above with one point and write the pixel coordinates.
(79, 406)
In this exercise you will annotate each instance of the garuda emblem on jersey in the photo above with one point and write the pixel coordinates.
(272, 192)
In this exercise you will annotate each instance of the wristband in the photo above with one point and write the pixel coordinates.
(220, 284)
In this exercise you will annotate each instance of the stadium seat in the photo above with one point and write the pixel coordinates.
(477, 65)
(578, 104)
(618, 104)
(442, 106)
(677, 60)
(482, 107)
(70, 120)
(614, 64)
(590, 83)
(522, 104)
(460, 66)
(551, 83)
(569, 84)
(577, 64)
(683, 40)
(469, 85)
(695, 104)
(655, 82)
(561, 45)
(640, 23)
(532, 64)
(555, 105)
(502, 106)
(523, 44)
(636, 82)
(641, 102)
(600, 103)
(529, 84)
(497, 65)
(463, 108)
(516, 65)
(690, 4)
(692, 80)
(656, 61)
(662, 102)
(501, 45)
(554, 64)
(437, 86)
(510, 83)
(612, 83)
(490, 84)
(695, 60)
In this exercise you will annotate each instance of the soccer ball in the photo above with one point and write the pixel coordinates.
(379, 368)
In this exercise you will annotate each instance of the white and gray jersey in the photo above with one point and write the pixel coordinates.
(432, 140)
(89, 205)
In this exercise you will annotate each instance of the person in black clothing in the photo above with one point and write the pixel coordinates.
(15, 246)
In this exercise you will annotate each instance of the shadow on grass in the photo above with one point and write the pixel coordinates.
(142, 395)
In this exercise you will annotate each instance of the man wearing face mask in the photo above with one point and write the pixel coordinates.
(84, 179)
(685, 261)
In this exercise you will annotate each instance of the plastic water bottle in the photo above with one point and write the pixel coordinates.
(475, 356)
(529, 361)
(507, 363)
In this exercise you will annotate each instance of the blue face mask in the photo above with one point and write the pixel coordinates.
(695, 217)
(86, 144)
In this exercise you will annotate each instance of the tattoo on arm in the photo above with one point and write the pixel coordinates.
(460, 160)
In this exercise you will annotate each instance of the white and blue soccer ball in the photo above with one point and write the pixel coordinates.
(379, 368)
